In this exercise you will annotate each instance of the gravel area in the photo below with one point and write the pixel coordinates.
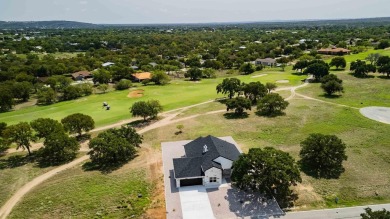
(380, 114)
(172, 150)
(226, 202)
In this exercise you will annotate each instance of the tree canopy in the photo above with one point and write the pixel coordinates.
(254, 91)
(238, 104)
(44, 127)
(194, 74)
(21, 134)
(112, 148)
(332, 84)
(146, 109)
(77, 123)
(318, 69)
(361, 68)
(338, 61)
(380, 214)
(58, 148)
(230, 86)
(323, 155)
(271, 104)
(247, 68)
(269, 171)
(160, 78)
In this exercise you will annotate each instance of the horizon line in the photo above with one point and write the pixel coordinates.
(211, 22)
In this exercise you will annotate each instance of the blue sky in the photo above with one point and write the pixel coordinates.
(188, 11)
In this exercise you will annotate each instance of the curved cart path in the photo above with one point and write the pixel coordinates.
(6, 209)
(168, 119)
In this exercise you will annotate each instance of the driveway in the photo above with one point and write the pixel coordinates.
(223, 202)
(195, 203)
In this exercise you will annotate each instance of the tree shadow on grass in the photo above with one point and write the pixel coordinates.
(270, 115)
(337, 69)
(222, 100)
(361, 77)
(332, 96)
(318, 174)
(105, 168)
(235, 116)
(298, 73)
(384, 77)
(17, 161)
(139, 123)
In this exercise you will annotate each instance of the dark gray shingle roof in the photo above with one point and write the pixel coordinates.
(187, 167)
(197, 161)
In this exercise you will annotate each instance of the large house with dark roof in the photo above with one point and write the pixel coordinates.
(206, 162)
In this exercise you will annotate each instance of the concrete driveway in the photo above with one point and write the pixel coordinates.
(195, 203)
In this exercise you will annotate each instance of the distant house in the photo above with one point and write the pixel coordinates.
(142, 76)
(107, 64)
(81, 75)
(153, 64)
(206, 162)
(334, 51)
(134, 67)
(266, 62)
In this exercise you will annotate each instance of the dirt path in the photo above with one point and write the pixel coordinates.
(6, 209)
(167, 120)
(323, 101)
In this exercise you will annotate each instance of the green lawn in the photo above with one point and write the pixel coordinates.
(177, 94)
(76, 193)
(363, 55)
(359, 92)
(59, 55)
(368, 143)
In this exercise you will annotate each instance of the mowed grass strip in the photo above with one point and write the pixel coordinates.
(177, 94)
(366, 179)
(75, 193)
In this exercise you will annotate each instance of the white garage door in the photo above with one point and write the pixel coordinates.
(195, 203)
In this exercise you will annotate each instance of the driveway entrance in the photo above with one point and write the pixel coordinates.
(195, 203)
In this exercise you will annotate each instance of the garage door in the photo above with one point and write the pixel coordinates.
(191, 182)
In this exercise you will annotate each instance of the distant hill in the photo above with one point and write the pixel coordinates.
(45, 25)
(281, 23)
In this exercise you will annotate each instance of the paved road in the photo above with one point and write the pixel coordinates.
(337, 213)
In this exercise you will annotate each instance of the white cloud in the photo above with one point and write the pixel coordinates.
(83, 2)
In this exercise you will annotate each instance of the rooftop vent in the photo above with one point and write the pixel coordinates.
(205, 149)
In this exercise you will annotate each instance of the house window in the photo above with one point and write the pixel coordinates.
(213, 179)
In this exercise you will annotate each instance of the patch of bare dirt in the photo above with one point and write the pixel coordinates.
(136, 94)
(306, 196)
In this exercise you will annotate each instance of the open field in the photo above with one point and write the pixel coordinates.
(58, 55)
(88, 194)
(363, 55)
(359, 92)
(366, 169)
(177, 94)
(15, 171)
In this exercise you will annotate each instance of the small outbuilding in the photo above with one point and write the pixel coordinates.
(266, 62)
(81, 75)
(138, 77)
